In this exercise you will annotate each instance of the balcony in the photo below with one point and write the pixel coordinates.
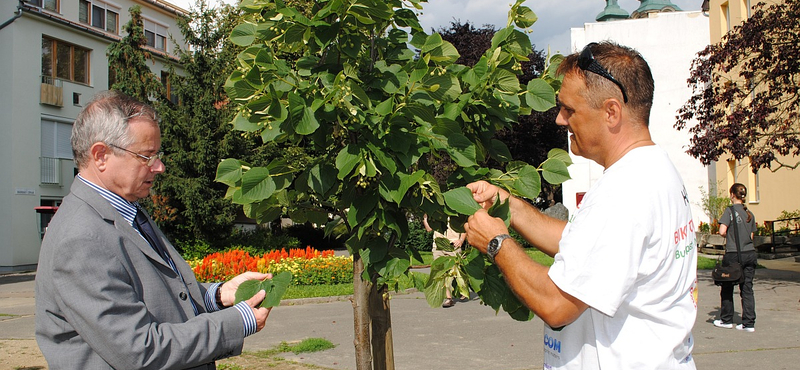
(51, 171)
(52, 92)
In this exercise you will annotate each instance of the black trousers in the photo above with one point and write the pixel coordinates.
(749, 263)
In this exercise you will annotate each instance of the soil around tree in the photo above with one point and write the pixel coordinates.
(24, 354)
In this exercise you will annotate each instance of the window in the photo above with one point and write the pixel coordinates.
(99, 14)
(65, 61)
(156, 35)
(166, 81)
(56, 139)
(46, 4)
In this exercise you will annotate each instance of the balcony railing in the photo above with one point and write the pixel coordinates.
(51, 171)
(52, 92)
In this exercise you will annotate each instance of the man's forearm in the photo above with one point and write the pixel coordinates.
(532, 285)
(540, 230)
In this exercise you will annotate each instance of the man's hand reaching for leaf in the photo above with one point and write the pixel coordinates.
(486, 194)
(482, 227)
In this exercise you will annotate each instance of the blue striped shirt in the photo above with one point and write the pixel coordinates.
(128, 211)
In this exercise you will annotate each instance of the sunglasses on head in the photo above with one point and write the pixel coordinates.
(587, 62)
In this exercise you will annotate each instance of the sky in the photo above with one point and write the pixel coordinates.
(552, 30)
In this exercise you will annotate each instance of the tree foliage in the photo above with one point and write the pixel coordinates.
(344, 84)
(128, 62)
(532, 136)
(745, 97)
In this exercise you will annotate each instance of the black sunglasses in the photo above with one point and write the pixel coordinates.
(587, 62)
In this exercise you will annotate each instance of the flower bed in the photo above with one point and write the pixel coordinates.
(308, 266)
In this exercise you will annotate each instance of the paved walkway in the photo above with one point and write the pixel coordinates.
(471, 336)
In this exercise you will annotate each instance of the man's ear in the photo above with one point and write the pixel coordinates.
(612, 111)
(100, 152)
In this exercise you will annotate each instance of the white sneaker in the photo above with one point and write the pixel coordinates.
(720, 324)
(742, 327)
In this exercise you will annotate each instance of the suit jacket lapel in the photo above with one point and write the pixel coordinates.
(111, 215)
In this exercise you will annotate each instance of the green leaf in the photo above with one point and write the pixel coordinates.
(321, 178)
(461, 201)
(244, 34)
(445, 54)
(244, 124)
(347, 160)
(308, 124)
(507, 82)
(280, 283)
(502, 211)
(275, 288)
(561, 155)
(524, 16)
(528, 182)
(229, 172)
(540, 96)
(555, 171)
(257, 184)
(247, 290)
(432, 42)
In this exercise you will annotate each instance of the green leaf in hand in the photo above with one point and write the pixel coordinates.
(461, 201)
(275, 288)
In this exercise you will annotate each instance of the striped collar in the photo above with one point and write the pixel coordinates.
(125, 208)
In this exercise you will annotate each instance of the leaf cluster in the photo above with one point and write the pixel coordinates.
(745, 91)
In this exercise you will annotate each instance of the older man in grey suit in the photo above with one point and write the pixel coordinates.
(111, 291)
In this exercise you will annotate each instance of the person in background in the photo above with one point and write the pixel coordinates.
(456, 240)
(111, 291)
(745, 225)
(621, 292)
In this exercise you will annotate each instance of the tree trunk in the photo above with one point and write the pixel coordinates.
(361, 319)
(382, 345)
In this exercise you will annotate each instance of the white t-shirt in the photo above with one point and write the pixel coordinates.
(630, 254)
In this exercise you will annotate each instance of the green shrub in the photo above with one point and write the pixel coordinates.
(418, 238)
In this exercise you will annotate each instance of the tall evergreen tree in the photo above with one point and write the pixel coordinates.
(128, 62)
(196, 131)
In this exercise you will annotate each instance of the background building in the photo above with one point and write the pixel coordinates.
(669, 41)
(54, 55)
(769, 192)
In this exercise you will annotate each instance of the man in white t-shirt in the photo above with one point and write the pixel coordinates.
(622, 291)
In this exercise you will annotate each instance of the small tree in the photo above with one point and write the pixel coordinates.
(713, 204)
(745, 91)
(345, 84)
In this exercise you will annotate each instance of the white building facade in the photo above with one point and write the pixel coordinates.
(669, 42)
(54, 55)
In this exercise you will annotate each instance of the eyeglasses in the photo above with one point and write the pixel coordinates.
(149, 161)
(587, 62)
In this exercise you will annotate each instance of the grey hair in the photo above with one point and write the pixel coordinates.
(105, 119)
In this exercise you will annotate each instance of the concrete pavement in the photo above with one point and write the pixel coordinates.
(470, 336)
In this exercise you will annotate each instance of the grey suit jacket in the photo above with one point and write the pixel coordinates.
(105, 299)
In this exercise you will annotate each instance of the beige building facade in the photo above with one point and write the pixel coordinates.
(54, 58)
(769, 192)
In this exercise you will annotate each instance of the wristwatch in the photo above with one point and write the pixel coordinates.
(494, 246)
